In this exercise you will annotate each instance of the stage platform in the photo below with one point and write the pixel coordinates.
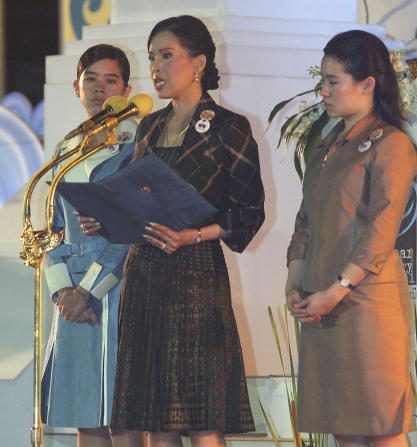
(16, 346)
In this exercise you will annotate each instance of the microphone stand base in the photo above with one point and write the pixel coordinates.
(36, 436)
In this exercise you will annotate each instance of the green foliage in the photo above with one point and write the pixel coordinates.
(314, 439)
(271, 427)
(305, 126)
(282, 104)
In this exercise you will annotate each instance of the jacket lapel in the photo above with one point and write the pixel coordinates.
(201, 156)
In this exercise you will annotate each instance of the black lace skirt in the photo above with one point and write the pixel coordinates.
(180, 365)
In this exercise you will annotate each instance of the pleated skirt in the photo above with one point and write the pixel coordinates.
(180, 365)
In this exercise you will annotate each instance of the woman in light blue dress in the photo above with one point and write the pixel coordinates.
(83, 275)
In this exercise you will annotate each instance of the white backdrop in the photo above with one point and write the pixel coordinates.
(264, 50)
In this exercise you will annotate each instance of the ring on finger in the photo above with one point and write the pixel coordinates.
(163, 246)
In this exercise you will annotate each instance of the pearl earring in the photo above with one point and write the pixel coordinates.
(196, 78)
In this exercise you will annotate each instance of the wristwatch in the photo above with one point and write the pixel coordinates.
(344, 282)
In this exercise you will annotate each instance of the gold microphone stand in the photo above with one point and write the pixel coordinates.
(37, 242)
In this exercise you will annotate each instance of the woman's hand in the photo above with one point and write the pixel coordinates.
(87, 316)
(169, 240)
(293, 300)
(293, 296)
(72, 302)
(317, 305)
(89, 225)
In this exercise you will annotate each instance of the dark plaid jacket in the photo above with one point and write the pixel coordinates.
(222, 164)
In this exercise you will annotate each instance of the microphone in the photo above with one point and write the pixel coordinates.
(112, 105)
(139, 105)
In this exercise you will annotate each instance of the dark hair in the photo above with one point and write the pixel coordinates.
(363, 55)
(194, 36)
(104, 51)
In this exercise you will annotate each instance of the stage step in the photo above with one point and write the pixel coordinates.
(70, 441)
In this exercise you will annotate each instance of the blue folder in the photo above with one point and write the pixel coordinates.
(147, 190)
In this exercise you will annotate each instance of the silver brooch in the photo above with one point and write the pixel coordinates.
(113, 149)
(365, 146)
(376, 134)
(202, 126)
(124, 136)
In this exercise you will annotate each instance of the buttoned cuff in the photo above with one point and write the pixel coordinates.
(90, 277)
(103, 287)
(57, 277)
(367, 261)
(296, 251)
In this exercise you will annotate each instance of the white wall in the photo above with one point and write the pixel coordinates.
(128, 11)
(401, 25)
(264, 49)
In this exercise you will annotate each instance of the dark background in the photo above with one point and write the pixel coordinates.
(31, 33)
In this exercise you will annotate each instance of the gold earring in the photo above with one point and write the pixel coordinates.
(196, 78)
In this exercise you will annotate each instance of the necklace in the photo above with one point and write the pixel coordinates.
(170, 140)
(183, 130)
(173, 138)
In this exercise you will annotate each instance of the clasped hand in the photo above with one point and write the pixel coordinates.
(312, 308)
(72, 305)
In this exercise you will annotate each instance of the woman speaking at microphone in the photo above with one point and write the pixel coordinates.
(83, 274)
(180, 366)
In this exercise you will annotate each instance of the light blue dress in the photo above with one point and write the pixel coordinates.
(80, 359)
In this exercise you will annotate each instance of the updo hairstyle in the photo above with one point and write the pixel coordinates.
(194, 36)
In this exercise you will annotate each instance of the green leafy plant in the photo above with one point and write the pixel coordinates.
(305, 126)
(314, 439)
